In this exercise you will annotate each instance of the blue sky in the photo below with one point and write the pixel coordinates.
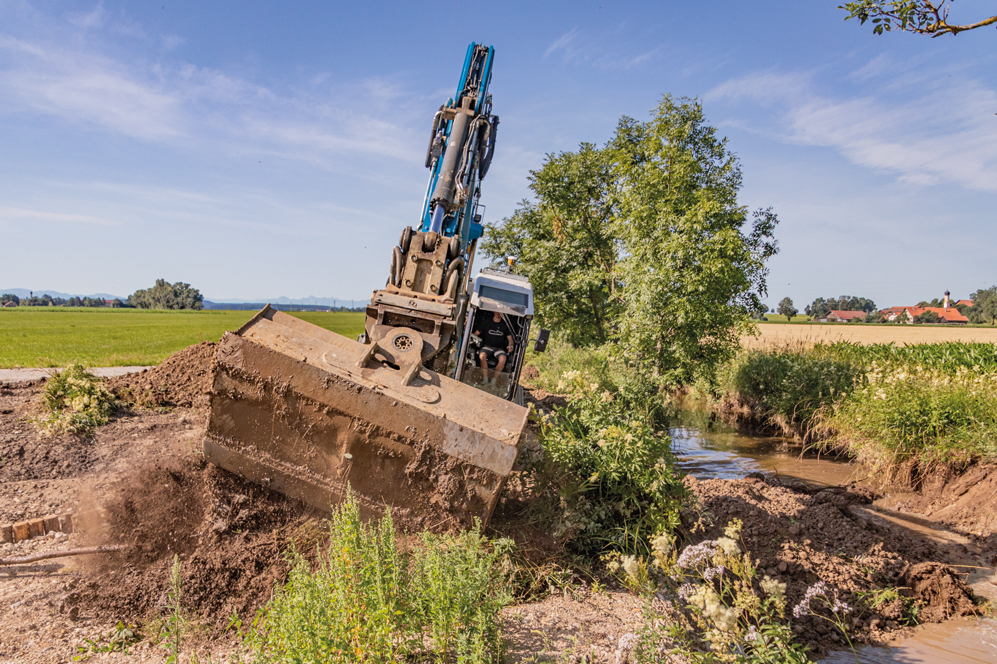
(259, 149)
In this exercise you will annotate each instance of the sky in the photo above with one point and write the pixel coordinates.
(258, 149)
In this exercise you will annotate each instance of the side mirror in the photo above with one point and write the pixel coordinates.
(540, 345)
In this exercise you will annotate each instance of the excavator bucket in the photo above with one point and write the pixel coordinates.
(310, 413)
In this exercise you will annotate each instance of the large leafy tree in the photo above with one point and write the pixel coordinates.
(692, 263)
(564, 243)
(787, 309)
(984, 309)
(923, 17)
(643, 244)
(165, 295)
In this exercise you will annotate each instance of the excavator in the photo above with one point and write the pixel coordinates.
(412, 415)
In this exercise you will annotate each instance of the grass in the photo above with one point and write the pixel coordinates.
(884, 404)
(60, 336)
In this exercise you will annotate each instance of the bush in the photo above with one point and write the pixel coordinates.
(369, 600)
(76, 401)
(790, 384)
(619, 488)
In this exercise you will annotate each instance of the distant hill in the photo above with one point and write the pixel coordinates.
(25, 292)
(255, 306)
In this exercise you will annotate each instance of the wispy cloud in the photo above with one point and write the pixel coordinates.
(945, 134)
(194, 107)
(563, 43)
(21, 214)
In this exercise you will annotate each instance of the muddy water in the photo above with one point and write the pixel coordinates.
(707, 449)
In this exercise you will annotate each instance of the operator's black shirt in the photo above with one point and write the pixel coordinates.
(494, 333)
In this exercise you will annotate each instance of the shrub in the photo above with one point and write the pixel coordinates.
(370, 600)
(790, 384)
(916, 413)
(76, 401)
(619, 488)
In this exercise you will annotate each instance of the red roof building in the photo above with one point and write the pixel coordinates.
(837, 316)
(947, 315)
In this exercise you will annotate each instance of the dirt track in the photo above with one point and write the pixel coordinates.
(140, 482)
(779, 334)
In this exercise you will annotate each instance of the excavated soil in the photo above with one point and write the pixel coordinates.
(140, 482)
(228, 534)
(182, 380)
(801, 536)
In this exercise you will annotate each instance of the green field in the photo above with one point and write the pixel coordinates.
(58, 336)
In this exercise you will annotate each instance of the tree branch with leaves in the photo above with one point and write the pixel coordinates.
(923, 17)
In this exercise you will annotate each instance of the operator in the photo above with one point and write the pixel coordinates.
(495, 333)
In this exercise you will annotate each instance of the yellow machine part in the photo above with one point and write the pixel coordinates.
(309, 413)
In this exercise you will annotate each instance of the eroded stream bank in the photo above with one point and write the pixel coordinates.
(708, 449)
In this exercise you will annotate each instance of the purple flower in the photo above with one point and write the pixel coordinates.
(712, 572)
(752, 634)
(820, 590)
(697, 554)
(686, 590)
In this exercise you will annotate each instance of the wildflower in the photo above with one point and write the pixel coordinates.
(686, 590)
(816, 590)
(728, 546)
(733, 529)
(631, 566)
(607, 396)
(661, 545)
(699, 553)
(773, 587)
(712, 572)
(751, 635)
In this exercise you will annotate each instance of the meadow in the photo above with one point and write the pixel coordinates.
(59, 336)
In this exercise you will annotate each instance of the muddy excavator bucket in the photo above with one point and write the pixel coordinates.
(307, 412)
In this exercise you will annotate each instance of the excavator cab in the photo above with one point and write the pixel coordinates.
(510, 296)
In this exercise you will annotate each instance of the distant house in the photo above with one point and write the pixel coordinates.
(837, 316)
(966, 303)
(947, 315)
(112, 303)
(10, 303)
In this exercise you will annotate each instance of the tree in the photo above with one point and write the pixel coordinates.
(984, 309)
(924, 17)
(927, 317)
(565, 244)
(644, 245)
(821, 307)
(9, 297)
(167, 296)
(787, 309)
(691, 275)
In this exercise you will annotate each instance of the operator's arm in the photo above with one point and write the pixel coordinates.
(509, 337)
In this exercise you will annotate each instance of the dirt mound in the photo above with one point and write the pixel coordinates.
(182, 380)
(27, 454)
(802, 536)
(229, 536)
(965, 499)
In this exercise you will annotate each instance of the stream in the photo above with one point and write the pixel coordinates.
(707, 449)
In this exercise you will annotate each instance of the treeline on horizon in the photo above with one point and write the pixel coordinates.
(163, 295)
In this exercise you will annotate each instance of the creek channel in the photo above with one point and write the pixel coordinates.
(706, 448)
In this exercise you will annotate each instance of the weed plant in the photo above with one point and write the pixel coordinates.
(75, 401)
(730, 616)
(885, 404)
(920, 414)
(619, 487)
(370, 600)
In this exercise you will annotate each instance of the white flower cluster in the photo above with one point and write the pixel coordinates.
(773, 587)
(706, 598)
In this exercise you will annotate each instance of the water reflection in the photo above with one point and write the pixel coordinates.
(706, 448)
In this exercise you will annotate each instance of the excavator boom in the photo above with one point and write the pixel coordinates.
(313, 414)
